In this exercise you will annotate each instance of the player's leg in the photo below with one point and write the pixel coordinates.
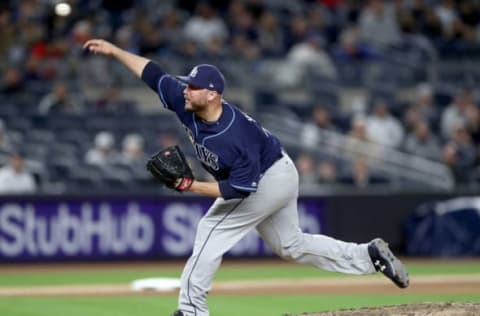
(225, 223)
(222, 227)
(282, 233)
(212, 240)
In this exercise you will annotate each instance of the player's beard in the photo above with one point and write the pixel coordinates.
(194, 107)
(188, 105)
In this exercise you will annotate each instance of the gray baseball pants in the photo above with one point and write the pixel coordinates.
(272, 210)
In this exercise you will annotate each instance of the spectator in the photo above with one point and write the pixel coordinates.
(7, 35)
(423, 143)
(318, 20)
(464, 152)
(473, 124)
(327, 172)
(244, 48)
(81, 31)
(459, 40)
(425, 105)
(407, 22)
(111, 101)
(244, 32)
(382, 127)
(356, 142)
(422, 110)
(321, 121)
(205, 25)
(305, 56)
(361, 176)
(171, 29)
(352, 49)
(104, 152)
(32, 72)
(297, 31)
(270, 36)
(14, 178)
(311, 54)
(150, 40)
(60, 100)
(418, 10)
(5, 143)
(446, 13)
(358, 129)
(133, 153)
(12, 81)
(242, 22)
(460, 154)
(306, 169)
(412, 117)
(117, 10)
(125, 39)
(469, 11)
(455, 113)
(432, 27)
(378, 24)
(449, 157)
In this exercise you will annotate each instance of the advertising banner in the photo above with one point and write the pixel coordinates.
(117, 228)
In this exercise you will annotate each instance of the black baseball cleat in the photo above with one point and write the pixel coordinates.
(385, 261)
(177, 313)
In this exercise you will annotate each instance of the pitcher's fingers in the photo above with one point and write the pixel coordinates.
(90, 43)
(87, 45)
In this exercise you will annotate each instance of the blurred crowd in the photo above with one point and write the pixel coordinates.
(448, 134)
(35, 40)
(44, 69)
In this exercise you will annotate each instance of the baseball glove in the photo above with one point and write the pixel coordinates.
(170, 167)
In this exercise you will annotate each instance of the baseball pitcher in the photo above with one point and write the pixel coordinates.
(256, 184)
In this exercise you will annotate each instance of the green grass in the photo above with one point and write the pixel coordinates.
(444, 268)
(123, 275)
(84, 277)
(220, 305)
(92, 306)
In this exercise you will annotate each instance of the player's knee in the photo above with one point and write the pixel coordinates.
(292, 251)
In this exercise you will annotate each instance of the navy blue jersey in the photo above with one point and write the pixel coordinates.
(235, 149)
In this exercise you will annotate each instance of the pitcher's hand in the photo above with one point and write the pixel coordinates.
(100, 46)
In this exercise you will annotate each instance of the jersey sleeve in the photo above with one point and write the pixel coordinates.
(168, 88)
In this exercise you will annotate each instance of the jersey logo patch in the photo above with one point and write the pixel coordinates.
(203, 154)
(206, 156)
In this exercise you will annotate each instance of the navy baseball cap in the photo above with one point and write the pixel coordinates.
(205, 76)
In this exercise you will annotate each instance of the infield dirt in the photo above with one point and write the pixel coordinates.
(451, 284)
(424, 309)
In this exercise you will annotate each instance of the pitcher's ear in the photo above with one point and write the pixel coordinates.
(211, 95)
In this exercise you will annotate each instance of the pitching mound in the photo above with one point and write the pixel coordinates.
(423, 309)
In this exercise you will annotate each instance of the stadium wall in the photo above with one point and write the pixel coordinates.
(86, 228)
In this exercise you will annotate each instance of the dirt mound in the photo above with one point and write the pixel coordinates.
(423, 309)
